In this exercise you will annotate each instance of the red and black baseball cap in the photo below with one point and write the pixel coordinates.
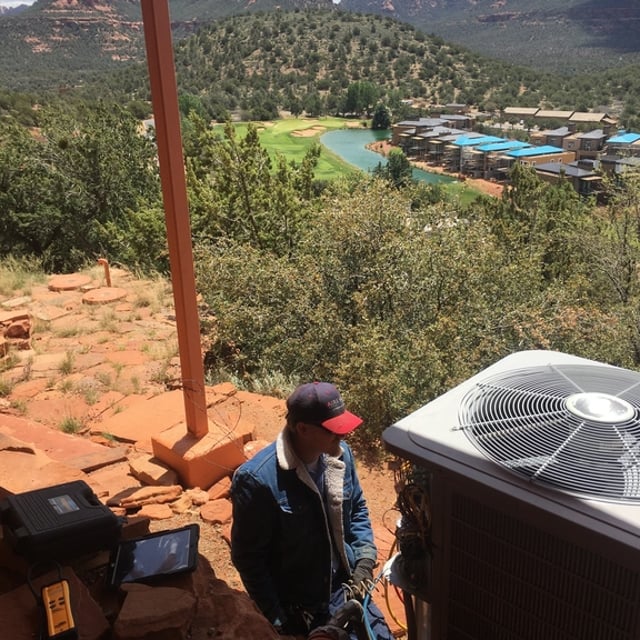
(321, 403)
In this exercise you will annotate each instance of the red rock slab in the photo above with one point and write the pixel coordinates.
(71, 322)
(113, 482)
(29, 388)
(129, 357)
(68, 282)
(22, 471)
(7, 317)
(43, 364)
(114, 404)
(53, 408)
(216, 512)
(232, 614)
(16, 303)
(49, 313)
(157, 611)
(75, 452)
(144, 419)
(156, 511)
(220, 489)
(104, 295)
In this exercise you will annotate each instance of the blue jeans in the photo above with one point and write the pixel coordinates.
(374, 616)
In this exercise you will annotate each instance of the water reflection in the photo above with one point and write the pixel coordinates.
(350, 145)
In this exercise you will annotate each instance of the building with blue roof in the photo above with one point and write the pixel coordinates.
(534, 151)
(624, 144)
(561, 153)
(472, 140)
(625, 138)
(504, 145)
(494, 161)
(460, 155)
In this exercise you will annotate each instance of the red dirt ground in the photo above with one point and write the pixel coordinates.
(89, 361)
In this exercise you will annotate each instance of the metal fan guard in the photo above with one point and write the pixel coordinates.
(573, 427)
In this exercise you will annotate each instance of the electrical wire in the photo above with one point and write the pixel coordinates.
(412, 537)
(41, 635)
(365, 605)
(385, 590)
(32, 567)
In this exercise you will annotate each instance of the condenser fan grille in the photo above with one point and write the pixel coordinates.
(575, 427)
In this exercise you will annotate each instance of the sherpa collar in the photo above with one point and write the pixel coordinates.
(288, 460)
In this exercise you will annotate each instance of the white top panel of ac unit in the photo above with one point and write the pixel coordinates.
(600, 415)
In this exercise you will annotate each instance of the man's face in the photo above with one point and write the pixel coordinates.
(322, 440)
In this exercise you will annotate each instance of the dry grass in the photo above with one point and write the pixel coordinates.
(18, 275)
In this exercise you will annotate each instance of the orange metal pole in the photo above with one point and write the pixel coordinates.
(164, 94)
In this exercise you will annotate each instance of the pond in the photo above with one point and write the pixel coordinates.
(350, 145)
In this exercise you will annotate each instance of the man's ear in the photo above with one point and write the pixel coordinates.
(301, 427)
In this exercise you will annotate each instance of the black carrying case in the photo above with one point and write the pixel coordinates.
(58, 523)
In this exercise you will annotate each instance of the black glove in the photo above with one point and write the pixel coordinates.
(362, 577)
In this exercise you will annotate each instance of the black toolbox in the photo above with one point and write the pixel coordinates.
(58, 523)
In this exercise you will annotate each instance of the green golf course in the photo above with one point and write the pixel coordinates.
(292, 137)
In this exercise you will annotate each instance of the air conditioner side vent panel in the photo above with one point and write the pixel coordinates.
(518, 581)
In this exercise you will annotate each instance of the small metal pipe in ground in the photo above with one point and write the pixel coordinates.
(107, 273)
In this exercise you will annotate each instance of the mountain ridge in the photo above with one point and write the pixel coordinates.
(562, 36)
(257, 64)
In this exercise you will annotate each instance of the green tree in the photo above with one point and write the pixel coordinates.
(235, 191)
(77, 185)
(381, 117)
(397, 170)
(610, 243)
(313, 104)
(187, 102)
(360, 98)
(272, 315)
(538, 217)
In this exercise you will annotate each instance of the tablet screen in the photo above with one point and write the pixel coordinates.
(158, 554)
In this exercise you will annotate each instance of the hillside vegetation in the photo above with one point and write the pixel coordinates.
(396, 291)
(316, 61)
(562, 36)
(323, 62)
(57, 45)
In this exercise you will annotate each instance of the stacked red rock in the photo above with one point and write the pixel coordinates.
(15, 331)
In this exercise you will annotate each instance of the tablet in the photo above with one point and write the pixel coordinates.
(155, 555)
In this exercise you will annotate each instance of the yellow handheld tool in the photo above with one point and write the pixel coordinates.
(57, 606)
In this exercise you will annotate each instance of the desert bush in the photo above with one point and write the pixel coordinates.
(397, 303)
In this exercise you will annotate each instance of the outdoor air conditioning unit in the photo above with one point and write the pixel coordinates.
(533, 470)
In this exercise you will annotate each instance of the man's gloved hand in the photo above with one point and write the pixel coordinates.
(362, 577)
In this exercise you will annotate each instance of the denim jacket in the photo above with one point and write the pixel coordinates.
(281, 534)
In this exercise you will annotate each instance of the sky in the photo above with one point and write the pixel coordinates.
(14, 3)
